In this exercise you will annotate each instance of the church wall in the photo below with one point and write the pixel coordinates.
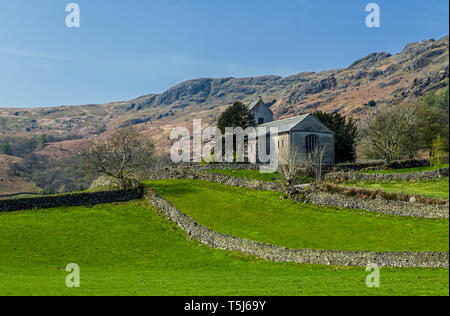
(261, 111)
(298, 140)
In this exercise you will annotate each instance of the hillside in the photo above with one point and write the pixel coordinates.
(384, 78)
(11, 185)
(387, 79)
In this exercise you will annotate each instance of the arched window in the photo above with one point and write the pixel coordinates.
(312, 141)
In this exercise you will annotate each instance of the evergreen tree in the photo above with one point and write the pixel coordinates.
(345, 137)
(238, 115)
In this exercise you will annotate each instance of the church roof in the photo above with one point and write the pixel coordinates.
(286, 125)
(253, 104)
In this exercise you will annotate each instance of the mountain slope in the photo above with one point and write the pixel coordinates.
(384, 78)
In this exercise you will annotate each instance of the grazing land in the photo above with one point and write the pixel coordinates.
(128, 249)
(263, 216)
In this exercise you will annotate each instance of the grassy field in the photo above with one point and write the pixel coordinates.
(408, 170)
(127, 249)
(437, 188)
(263, 216)
(256, 175)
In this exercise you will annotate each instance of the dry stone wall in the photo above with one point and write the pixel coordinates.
(80, 199)
(391, 207)
(379, 165)
(215, 177)
(427, 175)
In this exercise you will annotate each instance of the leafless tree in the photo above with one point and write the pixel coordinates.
(123, 156)
(289, 166)
(315, 161)
(392, 134)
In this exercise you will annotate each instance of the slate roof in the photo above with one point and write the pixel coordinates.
(253, 104)
(286, 125)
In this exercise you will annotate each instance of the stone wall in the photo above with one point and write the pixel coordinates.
(364, 193)
(181, 173)
(216, 166)
(5, 196)
(398, 208)
(304, 256)
(379, 165)
(79, 199)
(426, 175)
(343, 167)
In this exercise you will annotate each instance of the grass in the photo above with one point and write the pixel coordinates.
(407, 170)
(255, 175)
(127, 249)
(436, 188)
(263, 216)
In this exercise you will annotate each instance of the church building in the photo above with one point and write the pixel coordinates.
(302, 134)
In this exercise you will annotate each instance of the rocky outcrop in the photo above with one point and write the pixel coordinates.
(369, 60)
(302, 92)
(198, 89)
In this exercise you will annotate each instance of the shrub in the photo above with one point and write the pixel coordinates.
(5, 148)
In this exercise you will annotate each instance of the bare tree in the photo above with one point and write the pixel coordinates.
(315, 161)
(289, 166)
(392, 134)
(123, 156)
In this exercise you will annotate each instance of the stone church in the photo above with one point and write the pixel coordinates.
(302, 133)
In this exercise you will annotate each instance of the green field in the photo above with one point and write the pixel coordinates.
(436, 188)
(407, 170)
(263, 216)
(127, 249)
(255, 175)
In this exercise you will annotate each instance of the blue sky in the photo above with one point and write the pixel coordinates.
(125, 49)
